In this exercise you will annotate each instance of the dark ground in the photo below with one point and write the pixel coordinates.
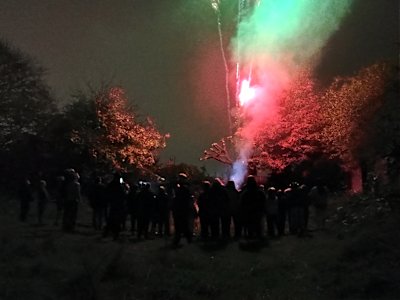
(358, 257)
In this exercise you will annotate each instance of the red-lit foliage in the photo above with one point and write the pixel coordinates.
(293, 134)
(333, 122)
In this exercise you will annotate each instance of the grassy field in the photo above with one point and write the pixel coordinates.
(358, 257)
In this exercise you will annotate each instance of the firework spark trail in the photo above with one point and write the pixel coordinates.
(239, 18)
(215, 5)
(244, 94)
(243, 5)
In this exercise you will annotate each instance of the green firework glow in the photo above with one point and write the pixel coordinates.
(288, 29)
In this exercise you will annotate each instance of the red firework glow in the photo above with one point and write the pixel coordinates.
(247, 93)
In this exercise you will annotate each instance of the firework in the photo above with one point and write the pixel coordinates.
(215, 6)
(275, 39)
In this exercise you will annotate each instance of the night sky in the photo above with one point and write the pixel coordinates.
(166, 54)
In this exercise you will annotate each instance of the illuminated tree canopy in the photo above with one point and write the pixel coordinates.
(348, 107)
(114, 135)
(293, 134)
(335, 122)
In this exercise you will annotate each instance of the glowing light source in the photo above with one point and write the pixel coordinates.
(247, 93)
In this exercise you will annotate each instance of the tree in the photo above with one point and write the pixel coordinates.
(170, 172)
(340, 123)
(383, 129)
(111, 133)
(380, 150)
(26, 108)
(348, 106)
(292, 135)
(26, 105)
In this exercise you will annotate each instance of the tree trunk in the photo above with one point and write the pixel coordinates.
(356, 179)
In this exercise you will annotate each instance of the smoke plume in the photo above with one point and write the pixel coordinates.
(273, 42)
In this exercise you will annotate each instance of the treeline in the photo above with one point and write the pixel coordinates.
(99, 130)
(351, 122)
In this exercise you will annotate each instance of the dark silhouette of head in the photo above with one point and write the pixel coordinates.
(251, 183)
(271, 192)
(206, 185)
(218, 182)
(70, 175)
(230, 185)
(183, 179)
(146, 186)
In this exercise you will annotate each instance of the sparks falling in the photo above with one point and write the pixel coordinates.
(247, 93)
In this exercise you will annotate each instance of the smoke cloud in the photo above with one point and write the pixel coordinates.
(273, 42)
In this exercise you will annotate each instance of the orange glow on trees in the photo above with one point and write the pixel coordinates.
(118, 138)
(126, 141)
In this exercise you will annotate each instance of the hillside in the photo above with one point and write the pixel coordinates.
(357, 257)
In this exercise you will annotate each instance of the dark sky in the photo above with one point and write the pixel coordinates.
(165, 53)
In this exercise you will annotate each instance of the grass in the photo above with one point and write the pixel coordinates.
(357, 261)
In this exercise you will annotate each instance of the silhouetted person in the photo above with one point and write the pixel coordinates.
(305, 201)
(297, 204)
(282, 212)
(126, 188)
(234, 208)
(132, 206)
(97, 201)
(59, 198)
(300, 209)
(290, 198)
(203, 203)
(252, 202)
(225, 212)
(319, 200)
(182, 209)
(219, 201)
(72, 197)
(41, 195)
(25, 197)
(115, 194)
(162, 211)
(146, 206)
(272, 209)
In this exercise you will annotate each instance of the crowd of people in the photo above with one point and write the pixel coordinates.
(217, 211)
